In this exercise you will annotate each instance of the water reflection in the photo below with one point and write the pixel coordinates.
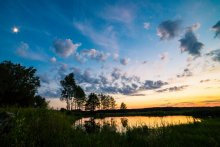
(120, 124)
(124, 122)
(91, 126)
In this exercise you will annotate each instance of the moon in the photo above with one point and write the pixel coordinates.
(15, 30)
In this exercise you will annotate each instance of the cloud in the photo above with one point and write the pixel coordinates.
(186, 73)
(124, 61)
(173, 89)
(53, 60)
(119, 13)
(216, 29)
(65, 47)
(146, 25)
(215, 54)
(145, 62)
(169, 29)
(195, 26)
(24, 51)
(116, 74)
(137, 94)
(84, 77)
(149, 84)
(95, 54)
(50, 89)
(103, 37)
(189, 43)
(91, 54)
(164, 56)
(204, 81)
(114, 82)
(44, 78)
(59, 71)
(79, 57)
(115, 56)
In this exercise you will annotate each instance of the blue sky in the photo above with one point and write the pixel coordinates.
(117, 47)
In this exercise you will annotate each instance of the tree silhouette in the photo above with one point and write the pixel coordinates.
(92, 102)
(123, 106)
(72, 93)
(68, 90)
(18, 84)
(80, 97)
(40, 102)
(112, 102)
(107, 102)
(104, 101)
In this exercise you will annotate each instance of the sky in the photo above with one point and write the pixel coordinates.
(145, 53)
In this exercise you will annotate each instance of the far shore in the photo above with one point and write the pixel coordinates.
(155, 111)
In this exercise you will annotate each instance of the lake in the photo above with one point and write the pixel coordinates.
(121, 123)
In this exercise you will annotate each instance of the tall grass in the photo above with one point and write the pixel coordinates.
(38, 127)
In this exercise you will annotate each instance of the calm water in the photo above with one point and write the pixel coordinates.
(121, 123)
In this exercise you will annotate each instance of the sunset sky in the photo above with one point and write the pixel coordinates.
(144, 53)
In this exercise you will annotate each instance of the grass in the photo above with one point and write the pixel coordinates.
(39, 127)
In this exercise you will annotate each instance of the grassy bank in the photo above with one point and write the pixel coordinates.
(38, 127)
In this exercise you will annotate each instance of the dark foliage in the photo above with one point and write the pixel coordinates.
(40, 102)
(92, 102)
(72, 93)
(18, 85)
(123, 106)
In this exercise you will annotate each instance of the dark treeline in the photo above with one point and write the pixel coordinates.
(156, 111)
(76, 98)
(18, 86)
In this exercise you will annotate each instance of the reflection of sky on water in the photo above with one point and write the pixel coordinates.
(133, 121)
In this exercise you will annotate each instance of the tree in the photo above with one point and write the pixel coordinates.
(107, 102)
(80, 97)
(112, 103)
(68, 90)
(92, 102)
(18, 84)
(123, 106)
(104, 101)
(40, 102)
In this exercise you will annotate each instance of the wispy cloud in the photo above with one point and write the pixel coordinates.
(53, 60)
(103, 37)
(145, 62)
(146, 25)
(119, 13)
(164, 56)
(186, 73)
(215, 54)
(216, 29)
(24, 51)
(173, 89)
(195, 26)
(204, 81)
